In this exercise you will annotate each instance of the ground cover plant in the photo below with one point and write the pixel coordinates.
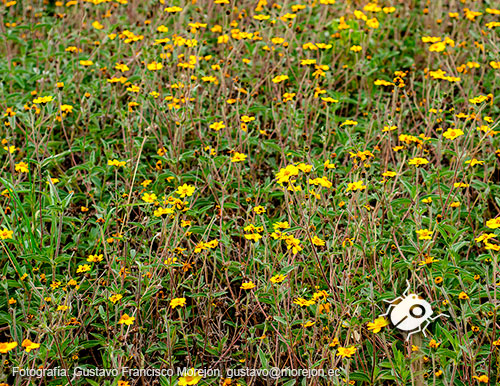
(235, 184)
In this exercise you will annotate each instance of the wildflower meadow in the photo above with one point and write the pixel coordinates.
(268, 192)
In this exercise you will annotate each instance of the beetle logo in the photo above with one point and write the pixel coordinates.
(410, 313)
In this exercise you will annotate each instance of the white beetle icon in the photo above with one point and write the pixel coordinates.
(410, 313)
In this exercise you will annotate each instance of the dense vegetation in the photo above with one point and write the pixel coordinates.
(235, 184)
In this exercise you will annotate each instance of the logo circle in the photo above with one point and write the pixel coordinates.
(417, 311)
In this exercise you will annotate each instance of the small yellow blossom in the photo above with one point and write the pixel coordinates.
(185, 190)
(178, 302)
(424, 234)
(377, 325)
(6, 234)
(346, 352)
(7, 346)
(238, 157)
(126, 319)
(191, 377)
(278, 278)
(248, 285)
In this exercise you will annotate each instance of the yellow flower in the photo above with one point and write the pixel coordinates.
(22, 167)
(238, 157)
(29, 345)
(463, 296)
(185, 190)
(280, 78)
(434, 344)
(285, 173)
(424, 234)
(95, 258)
(328, 165)
(125, 319)
(485, 237)
(324, 308)
(154, 66)
(389, 174)
(293, 244)
(116, 163)
(317, 241)
(173, 10)
(66, 109)
(378, 324)
(259, 209)
(382, 82)
(161, 211)
(360, 15)
(278, 278)
(6, 234)
(261, 17)
(178, 302)
(42, 100)
(330, 100)
(97, 25)
(373, 23)
(308, 324)
(83, 268)
(418, 161)
(356, 48)
(85, 63)
(482, 378)
(346, 352)
(170, 261)
(192, 377)
(217, 125)
(247, 119)
(303, 302)
(281, 225)
(149, 197)
(7, 346)
(494, 223)
(248, 285)
(11, 149)
(358, 185)
(114, 298)
(121, 67)
(320, 295)
(349, 122)
(451, 134)
(428, 260)
(437, 47)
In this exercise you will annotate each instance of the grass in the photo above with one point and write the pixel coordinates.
(227, 185)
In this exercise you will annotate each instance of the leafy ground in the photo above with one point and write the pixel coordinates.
(227, 184)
